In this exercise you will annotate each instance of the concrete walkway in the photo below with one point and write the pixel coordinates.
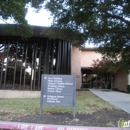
(119, 99)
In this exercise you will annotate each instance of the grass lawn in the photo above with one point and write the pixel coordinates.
(86, 102)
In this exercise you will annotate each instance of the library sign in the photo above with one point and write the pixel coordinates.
(58, 90)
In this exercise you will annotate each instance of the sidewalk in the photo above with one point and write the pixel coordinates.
(119, 99)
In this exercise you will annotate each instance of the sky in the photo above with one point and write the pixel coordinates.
(42, 18)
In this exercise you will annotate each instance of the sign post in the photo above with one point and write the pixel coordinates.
(58, 90)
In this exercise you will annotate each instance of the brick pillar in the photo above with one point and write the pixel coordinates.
(76, 65)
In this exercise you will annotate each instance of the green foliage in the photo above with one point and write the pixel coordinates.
(128, 88)
(103, 22)
(16, 10)
(75, 38)
(120, 57)
(23, 30)
(105, 66)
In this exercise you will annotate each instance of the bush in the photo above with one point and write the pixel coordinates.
(128, 88)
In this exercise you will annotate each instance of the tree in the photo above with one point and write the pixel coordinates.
(65, 34)
(106, 68)
(16, 10)
(104, 22)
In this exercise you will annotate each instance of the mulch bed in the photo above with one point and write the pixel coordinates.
(102, 118)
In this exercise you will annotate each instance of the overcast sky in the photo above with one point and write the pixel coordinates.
(42, 18)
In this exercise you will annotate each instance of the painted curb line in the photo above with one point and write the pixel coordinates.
(29, 126)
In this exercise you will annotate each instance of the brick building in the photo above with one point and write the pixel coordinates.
(81, 66)
(22, 61)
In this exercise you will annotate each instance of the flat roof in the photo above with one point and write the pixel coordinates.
(14, 30)
(40, 31)
(89, 49)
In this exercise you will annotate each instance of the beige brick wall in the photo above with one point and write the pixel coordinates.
(120, 80)
(76, 65)
(87, 57)
(84, 58)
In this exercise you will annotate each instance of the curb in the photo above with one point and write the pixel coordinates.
(29, 126)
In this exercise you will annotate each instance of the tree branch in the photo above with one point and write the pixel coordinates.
(118, 17)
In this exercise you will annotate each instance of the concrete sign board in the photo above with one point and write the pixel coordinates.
(58, 90)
